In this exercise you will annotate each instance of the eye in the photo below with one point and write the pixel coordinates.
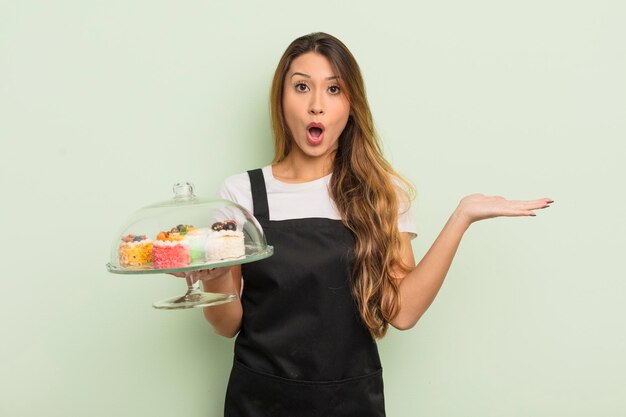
(334, 89)
(301, 87)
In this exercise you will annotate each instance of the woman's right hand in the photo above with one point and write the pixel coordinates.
(225, 319)
(206, 274)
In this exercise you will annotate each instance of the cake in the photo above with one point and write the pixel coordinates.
(135, 250)
(196, 239)
(224, 241)
(170, 249)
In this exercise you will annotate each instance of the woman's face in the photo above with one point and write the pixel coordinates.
(315, 107)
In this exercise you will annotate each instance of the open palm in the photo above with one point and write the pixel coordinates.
(477, 207)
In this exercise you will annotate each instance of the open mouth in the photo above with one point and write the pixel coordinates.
(315, 133)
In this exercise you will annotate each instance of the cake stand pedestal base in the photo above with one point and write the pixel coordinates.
(194, 298)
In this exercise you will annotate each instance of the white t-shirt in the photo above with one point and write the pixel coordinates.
(288, 201)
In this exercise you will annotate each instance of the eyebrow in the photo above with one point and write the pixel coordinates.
(332, 77)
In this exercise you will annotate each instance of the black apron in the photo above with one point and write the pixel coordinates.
(302, 350)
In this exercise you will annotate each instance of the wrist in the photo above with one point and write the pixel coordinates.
(214, 281)
(460, 218)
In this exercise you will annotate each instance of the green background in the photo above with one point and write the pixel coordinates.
(104, 105)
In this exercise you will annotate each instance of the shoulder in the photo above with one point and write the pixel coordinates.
(237, 188)
(405, 194)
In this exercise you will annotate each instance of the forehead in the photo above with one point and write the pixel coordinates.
(313, 64)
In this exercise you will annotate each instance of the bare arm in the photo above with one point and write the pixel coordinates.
(225, 318)
(419, 287)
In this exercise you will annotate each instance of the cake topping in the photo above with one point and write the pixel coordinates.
(224, 225)
(176, 233)
(133, 238)
(135, 250)
(182, 229)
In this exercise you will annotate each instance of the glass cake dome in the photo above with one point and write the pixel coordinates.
(187, 234)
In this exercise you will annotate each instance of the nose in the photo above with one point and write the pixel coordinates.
(316, 106)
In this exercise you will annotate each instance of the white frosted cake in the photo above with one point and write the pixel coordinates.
(224, 242)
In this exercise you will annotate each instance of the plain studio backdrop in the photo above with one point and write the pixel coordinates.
(105, 105)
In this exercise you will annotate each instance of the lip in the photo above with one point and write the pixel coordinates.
(315, 124)
(314, 140)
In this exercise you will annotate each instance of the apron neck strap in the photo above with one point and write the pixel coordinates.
(259, 194)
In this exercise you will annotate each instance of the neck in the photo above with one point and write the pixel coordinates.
(297, 167)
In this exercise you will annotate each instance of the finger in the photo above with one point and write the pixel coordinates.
(531, 204)
(208, 274)
(525, 213)
(544, 203)
(517, 212)
(541, 201)
(521, 213)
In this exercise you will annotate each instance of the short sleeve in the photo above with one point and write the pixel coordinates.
(406, 221)
(238, 190)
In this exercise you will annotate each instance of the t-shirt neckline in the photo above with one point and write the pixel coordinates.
(269, 175)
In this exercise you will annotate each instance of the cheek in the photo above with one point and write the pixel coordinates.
(345, 108)
(293, 106)
(343, 112)
(289, 111)
(287, 106)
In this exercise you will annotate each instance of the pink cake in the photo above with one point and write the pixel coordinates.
(170, 254)
(170, 250)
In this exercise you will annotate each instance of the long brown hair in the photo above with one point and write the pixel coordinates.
(364, 187)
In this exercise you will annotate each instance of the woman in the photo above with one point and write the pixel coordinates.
(343, 268)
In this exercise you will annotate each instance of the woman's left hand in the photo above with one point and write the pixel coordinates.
(477, 207)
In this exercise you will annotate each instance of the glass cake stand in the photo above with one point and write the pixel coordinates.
(187, 234)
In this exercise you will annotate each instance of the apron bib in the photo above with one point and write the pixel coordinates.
(302, 349)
